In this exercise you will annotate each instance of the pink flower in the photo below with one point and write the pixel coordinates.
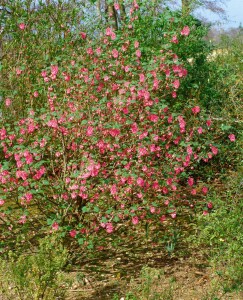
(8, 102)
(189, 150)
(28, 197)
(141, 78)
(173, 215)
(174, 39)
(167, 202)
(136, 44)
(140, 182)
(115, 53)
(18, 71)
(135, 220)
(190, 181)
(125, 110)
(138, 53)
(205, 190)
(114, 132)
(43, 73)
(176, 84)
(173, 94)
(231, 137)
(152, 209)
(185, 31)
(108, 31)
(210, 205)
(36, 94)
(55, 226)
(83, 35)
(73, 233)
(22, 26)
(142, 151)
(208, 122)
(90, 51)
(109, 227)
(116, 6)
(54, 70)
(153, 118)
(89, 131)
(163, 218)
(22, 220)
(135, 5)
(113, 189)
(214, 150)
(165, 190)
(200, 130)
(196, 110)
(1, 202)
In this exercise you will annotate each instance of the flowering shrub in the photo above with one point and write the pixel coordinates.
(107, 147)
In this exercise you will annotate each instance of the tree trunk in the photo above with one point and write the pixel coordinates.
(186, 7)
(111, 15)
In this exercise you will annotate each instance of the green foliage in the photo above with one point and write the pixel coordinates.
(148, 287)
(37, 275)
(222, 232)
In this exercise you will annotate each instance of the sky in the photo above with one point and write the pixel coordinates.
(234, 12)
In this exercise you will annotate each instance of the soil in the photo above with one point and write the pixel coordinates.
(188, 277)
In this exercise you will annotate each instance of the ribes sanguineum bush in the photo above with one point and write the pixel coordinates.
(107, 147)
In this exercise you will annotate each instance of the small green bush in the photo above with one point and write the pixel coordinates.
(222, 233)
(35, 276)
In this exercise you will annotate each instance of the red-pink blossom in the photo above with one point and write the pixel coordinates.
(116, 6)
(35, 94)
(22, 26)
(73, 233)
(114, 132)
(231, 137)
(83, 35)
(214, 150)
(152, 209)
(55, 226)
(196, 110)
(109, 228)
(113, 189)
(174, 39)
(22, 219)
(8, 102)
(140, 182)
(173, 215)
(115, 53)
(190, 181)
(154, 118)
(200, 130)
(54, 69)
(136, 44)
(162, 218)
(89, 131)
(138, 53)
(176, 83)
(204, 190)
(210, 205)
(185, 31)
(18, 71)
(142, 151)
(135, 220)
(208, 122)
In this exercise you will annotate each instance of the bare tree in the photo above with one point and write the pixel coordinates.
(188, 6)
